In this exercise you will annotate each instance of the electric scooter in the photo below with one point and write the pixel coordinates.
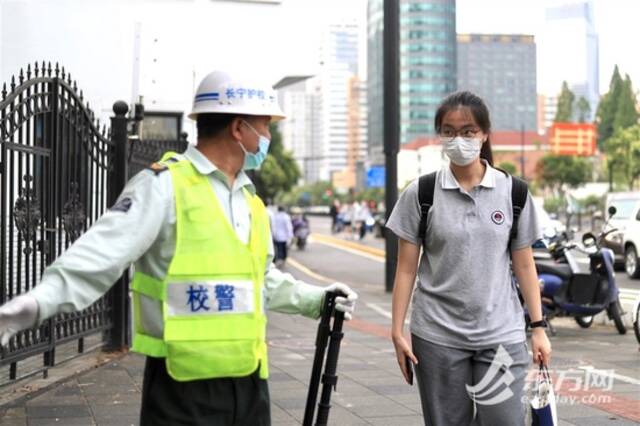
(567, 292)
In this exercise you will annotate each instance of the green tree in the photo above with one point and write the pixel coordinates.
(564, 114)
(606, 112)
(279, 172)
(375, 194)
(623, 153)
(626, 113)
(584, 109)
(556, 171)
(313, 194)
(508, 167)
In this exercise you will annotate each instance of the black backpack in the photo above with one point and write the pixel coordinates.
(426, 187)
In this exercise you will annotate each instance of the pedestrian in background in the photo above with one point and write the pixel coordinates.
(467, 320)
(364, 219)
(282, 230)
(353, 214)
(334, 211)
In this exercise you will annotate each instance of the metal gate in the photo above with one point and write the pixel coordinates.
(59, 171)
(142, 153)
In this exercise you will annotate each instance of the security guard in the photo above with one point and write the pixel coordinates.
(201, 243)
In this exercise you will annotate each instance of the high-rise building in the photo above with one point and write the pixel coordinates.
(569, 50)
(501, 68)
(375, 78)
(356, 137)
(338, 64)
(302, 131)
(427, 67)
(320, 129)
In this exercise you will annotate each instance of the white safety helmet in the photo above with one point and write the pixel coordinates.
(220, 93)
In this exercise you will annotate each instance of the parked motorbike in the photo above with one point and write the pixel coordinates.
(549, 246)
(567, 292)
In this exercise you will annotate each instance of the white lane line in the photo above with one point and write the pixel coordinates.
(607, 374)
(350, 250)
(630, 292)
(381, 311)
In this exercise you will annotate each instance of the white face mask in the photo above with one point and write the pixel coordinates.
(461, 151)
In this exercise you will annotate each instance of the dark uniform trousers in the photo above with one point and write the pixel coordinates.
(242, 401)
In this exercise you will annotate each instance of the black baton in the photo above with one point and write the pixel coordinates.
(329, 378)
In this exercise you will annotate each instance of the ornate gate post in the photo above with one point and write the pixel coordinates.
(119, 335)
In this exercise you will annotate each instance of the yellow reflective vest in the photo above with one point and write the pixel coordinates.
(212, 303)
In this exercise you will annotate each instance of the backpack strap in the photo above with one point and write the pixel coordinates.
(519, 191)
(426, 187)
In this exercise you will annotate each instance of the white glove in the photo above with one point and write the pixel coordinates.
(346, 303)
(18, 314)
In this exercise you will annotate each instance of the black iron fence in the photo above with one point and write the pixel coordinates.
(59, 171)
(142, 153)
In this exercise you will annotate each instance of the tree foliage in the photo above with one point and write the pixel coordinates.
(313, 194)
(607, 108)
(617, 108)
(584, 109)
(322, 193)
(508, 167)
(564, 114)
(279, 172)
(623, 154)
(626, 113)
(556, 171)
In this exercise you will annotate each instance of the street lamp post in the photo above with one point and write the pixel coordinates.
(391, 98)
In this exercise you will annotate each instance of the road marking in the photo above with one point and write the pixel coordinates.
(352, 244)
(350, 247)
(381, 311)
(299, 266)
(319, 277)
(629, 292)
(603, 373)
(628, 297)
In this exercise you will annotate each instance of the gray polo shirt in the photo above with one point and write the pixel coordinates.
(465, 297)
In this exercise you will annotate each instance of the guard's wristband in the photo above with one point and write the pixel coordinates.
(536, 324)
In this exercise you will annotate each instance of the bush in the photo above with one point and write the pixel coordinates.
(592, 203)
(508, 167)
(553, 205)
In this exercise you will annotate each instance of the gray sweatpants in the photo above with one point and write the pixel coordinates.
(451, 380)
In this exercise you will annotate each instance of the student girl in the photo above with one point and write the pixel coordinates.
(468, 343)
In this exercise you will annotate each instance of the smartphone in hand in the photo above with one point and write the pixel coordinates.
(409, 365)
